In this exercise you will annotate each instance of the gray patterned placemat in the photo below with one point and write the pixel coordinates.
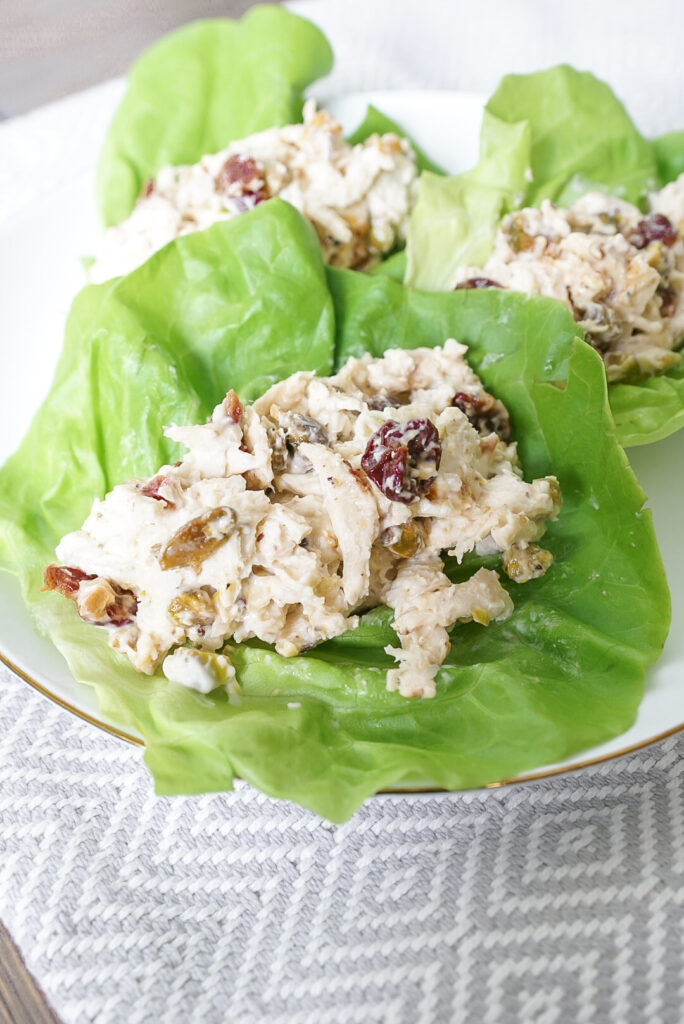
(551, 902)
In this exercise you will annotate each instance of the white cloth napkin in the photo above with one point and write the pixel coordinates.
(556, 902)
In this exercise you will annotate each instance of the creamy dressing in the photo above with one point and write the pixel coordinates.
(358, 198)
(287, 518)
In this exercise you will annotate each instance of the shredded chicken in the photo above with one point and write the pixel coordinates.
(358, 198)
(426, 605)
(620, 273)
(287, 518)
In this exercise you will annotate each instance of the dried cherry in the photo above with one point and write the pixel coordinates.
(654, 228)
(241, 176)
(65, 579)
(487, 414)
(402, 459)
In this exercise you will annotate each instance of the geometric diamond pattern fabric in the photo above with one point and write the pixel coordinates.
(553, 902)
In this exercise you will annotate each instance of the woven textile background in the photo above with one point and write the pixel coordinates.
(551, 902)
(556, 903)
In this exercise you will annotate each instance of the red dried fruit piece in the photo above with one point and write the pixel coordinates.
(119, 608)
(151, 490)
(487, 414)
(477, 282)
(65, 579)
(244, 172)
(232, 407)
(402, 459)
(147, 189)
(239, 169)
(654, 228)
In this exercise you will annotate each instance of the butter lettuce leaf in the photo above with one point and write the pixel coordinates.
(394, 266)
(649, 410)
(669, 154)
(579, 137)
(202, 86)
(455, 219)
(249, 301)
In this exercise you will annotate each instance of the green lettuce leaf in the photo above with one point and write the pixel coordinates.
(649, 410)
(203, 86)
(394, 267)
(248, 301)
(669, 154)
(455, 219)
(580, 137)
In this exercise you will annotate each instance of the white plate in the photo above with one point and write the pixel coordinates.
(40, 266)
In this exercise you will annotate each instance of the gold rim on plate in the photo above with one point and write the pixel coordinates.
(512, 781)
(111, 729)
